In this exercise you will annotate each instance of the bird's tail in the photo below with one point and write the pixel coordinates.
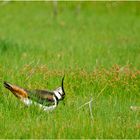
(8, 85)
(17, 91)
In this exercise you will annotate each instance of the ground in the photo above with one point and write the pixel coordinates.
(95, 44)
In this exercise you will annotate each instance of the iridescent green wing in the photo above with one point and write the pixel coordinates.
(42, 96)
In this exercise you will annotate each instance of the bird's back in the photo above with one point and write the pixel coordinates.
(42, 96)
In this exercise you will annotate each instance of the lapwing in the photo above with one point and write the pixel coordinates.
(48, 100)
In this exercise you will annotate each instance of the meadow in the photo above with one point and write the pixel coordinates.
(95, 45)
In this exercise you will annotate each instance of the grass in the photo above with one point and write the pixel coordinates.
(97, 48)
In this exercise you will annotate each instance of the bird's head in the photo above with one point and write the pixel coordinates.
(60, 92)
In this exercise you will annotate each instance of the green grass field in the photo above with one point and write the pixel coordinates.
(98, 50)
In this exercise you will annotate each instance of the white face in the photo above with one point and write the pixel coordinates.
(59, 93)
(59, 90)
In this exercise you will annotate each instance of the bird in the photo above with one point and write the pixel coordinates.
(46, 99)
